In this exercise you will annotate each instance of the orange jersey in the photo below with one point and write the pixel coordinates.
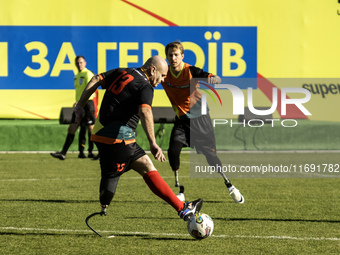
(178, 89)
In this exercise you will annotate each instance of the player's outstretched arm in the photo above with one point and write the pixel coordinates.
(146, 118)
(88, 91)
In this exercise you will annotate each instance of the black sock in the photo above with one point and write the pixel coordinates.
(67, 144)
(82, 139)
(91, 144)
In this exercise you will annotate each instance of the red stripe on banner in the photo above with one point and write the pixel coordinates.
(35, 114)
(292, 112)
(263, 84)
(169, 23)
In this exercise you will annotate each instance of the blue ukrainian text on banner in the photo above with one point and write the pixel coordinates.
(42, 57)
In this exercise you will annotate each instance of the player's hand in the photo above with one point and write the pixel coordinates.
(157, 152)
(80, 113)
(214, 79)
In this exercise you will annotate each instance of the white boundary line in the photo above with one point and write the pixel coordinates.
(171, 234)
(80, 179)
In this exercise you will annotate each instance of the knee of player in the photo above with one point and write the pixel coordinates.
(143, 165)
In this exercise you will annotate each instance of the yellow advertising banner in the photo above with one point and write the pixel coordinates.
(283, 43)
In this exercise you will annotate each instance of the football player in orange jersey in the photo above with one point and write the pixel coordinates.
(189, 120)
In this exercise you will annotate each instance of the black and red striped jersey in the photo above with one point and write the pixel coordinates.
(127, 89)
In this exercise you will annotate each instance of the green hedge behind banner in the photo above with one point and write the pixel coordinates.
(49, 135)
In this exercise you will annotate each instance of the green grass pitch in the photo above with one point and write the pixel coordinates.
(44, 203)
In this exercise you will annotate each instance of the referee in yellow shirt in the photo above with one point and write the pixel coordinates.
(80, 81)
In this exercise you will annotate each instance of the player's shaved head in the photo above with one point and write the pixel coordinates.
(156, 69)
(156, 61)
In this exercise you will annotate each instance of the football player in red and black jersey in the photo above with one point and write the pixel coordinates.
(128, 98)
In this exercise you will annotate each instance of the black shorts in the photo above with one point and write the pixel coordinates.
(196, 133)
(115, 159)
(89, 117)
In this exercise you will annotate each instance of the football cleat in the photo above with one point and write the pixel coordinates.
(190, 208)
(81, 155)
(96, 157)
(58, 155)
(236, 195)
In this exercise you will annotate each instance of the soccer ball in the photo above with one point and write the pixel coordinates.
(200, 226)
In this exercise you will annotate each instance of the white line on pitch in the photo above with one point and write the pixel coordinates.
(172, 234)
(80, 179)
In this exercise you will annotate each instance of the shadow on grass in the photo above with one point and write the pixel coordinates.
(92, 235)
(76, 201)
(50, 201)
(169, 238)
(169, 218)
(41, 233)
(278, 220)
